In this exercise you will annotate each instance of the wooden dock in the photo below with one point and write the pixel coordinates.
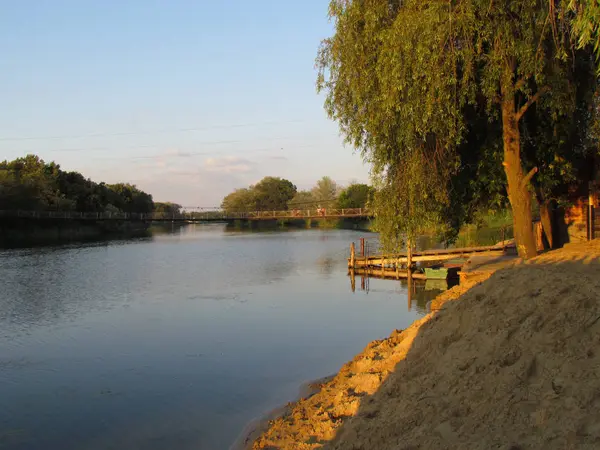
(401, 265)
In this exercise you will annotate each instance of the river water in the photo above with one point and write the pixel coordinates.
(179, 340)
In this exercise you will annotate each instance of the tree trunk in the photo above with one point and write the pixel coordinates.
(518, 192)
(546, 218)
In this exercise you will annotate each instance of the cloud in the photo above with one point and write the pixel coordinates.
(229, 164)
(177, 153)
(278, 157)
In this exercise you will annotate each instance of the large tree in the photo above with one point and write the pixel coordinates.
(273, 193)
(401, 77)
(325, 190)
(240, 200)
(269, 194)
(356, 195)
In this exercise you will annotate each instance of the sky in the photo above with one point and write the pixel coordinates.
(186, 99)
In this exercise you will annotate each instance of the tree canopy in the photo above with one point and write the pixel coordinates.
(279, 194)
(29, 183)
(270, 193)
(411, 81)
(325, 190)
(355, 196)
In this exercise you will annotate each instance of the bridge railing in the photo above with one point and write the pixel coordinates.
(203, 215)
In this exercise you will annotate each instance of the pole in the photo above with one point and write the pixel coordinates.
(352, 256)
(362, 247)
(408, 256)
(591, 211)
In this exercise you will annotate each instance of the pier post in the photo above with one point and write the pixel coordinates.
(590, 220)
(352, 256)
(362, 247)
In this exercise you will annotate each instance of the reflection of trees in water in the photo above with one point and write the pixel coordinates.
(328, 264)
(419, 292)
(279, 270)
(32, 293)
(422, 293)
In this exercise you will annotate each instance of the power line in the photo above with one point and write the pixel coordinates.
(130, 147)
(205, 153)
(138, 133)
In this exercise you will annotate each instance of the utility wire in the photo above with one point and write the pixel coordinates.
(136, 133)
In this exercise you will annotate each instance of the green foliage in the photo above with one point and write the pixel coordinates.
(269, 194)
(355, 196)
(424, 80)
(586, 23)
(31, 184)
(240, 200)
(167, 208)
(408, 202)
(325, 190)
(302, 200)
(273, 193)
(130, 199)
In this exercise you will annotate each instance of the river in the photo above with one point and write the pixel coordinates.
(179, 340)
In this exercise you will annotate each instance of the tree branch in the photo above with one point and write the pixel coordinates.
(525, 181)
(531, 101)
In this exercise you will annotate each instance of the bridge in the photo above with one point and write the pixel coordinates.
(194, 216)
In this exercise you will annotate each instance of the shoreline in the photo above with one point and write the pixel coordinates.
(260, 424)
(498, 368)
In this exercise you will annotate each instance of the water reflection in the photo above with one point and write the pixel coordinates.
(177, 341)
(418, 292)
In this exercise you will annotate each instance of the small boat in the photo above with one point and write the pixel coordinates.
(444, 272)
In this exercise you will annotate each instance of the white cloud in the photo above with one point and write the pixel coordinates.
(228, 164)
(177, 153)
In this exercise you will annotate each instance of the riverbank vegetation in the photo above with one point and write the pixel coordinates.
(460, 105)
(32, 184)
(278, 194)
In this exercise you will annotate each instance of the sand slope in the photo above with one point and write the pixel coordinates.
(513, 364)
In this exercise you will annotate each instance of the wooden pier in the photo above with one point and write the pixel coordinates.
(402, 265)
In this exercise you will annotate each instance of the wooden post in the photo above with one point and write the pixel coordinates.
(362, 247)
(591, 211)
(408, 256)
(409, 280)
(382, 265)
(352, 256)
(397, 268)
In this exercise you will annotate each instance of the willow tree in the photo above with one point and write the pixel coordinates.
(401, 75)
(586, 23)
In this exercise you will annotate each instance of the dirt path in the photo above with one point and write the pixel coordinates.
(514, 364)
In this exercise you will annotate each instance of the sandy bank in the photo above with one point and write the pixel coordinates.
(514, 364)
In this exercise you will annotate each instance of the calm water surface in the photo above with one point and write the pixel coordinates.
(180, 340)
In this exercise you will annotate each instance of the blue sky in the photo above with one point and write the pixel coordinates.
(187, 99)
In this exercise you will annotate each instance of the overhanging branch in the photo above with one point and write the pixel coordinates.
(529, 176)
(531, 101)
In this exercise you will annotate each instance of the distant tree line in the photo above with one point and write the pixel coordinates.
(30, 183)
(279, 194)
